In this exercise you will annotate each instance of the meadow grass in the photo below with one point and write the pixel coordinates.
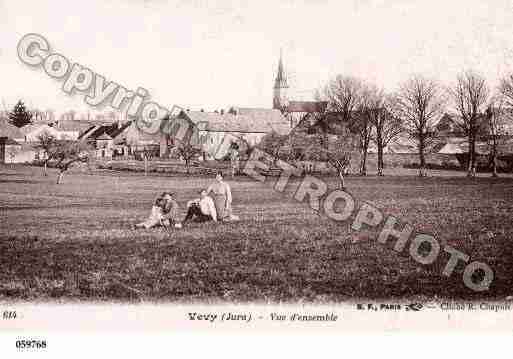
(76, 241)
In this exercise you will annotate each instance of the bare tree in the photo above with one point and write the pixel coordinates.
(470, 96)
(335, 149)
(338, 152)
(506, 90)
(363, 124)
(68, 153)
(47, 142)
(387, 127)
(344, 94)
(418, 103)
(496, 115)
(352, 98)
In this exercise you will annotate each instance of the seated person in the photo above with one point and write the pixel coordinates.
(201, 209)
(156, 215)
(170, 211)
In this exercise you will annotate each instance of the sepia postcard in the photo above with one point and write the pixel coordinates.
(246, 166)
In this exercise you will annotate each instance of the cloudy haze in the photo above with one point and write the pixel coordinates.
(213, 54)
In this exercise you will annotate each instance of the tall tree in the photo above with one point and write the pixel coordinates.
(363, 123)
(387, 127)
(344, 95)
(350, 97)
(470, 96)
(418, 103)
(20, 116)
(496, 116)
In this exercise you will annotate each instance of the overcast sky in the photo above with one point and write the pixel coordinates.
(213, 54)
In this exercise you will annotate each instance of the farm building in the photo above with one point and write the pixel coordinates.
(15, 152)
(70, 129)
(217, 131)
(108, 140)
(31, 132)
(12, 151)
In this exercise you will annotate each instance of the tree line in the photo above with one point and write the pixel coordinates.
(371, 115)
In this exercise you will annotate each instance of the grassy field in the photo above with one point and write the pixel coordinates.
(76, 241)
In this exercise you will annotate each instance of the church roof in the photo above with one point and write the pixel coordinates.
(306, 106)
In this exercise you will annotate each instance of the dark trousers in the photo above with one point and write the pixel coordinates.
(194, 213)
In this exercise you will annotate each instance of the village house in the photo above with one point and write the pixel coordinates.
(11, 150)
(217, 131)
(107, 140)
(31, 132)
(70, 129)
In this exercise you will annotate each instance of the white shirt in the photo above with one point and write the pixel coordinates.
(207, 206)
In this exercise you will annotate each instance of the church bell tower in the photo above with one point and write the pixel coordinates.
(281, 86)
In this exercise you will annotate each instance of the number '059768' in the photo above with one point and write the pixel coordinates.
(30, 344)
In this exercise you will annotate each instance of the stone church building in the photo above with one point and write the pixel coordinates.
(294, 111)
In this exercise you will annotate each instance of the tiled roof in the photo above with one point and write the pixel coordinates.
(306, 106)
(331, 122)
(111, 129)
(246, 120)
(273, 118)
(72, 125)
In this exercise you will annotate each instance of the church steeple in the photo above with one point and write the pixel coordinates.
(281, 77)
(280, 87)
